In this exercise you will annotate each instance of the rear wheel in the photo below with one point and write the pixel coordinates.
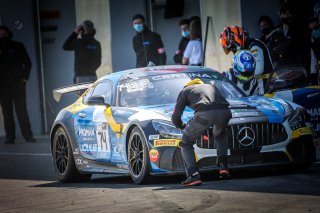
(138, 158)
(63, 160)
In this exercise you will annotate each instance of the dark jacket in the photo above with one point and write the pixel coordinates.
(87, 53)
(179, 53)
(14, 62)
(199, 97)
(284, 48)
(148, 47)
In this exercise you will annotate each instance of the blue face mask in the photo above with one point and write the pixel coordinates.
(185, 34)
(138, 27)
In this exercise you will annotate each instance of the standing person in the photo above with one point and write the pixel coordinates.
(315, 46)
(266, 27)
(185, 32)
(210, 109)
(234, 38)
(284, 43)
(193, 53)
(15, 71)
(87, 52)
(147, 45)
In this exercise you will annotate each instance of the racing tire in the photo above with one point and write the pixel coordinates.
(63, 160)
(138, 157)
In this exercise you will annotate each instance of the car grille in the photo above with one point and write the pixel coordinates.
(264, 134)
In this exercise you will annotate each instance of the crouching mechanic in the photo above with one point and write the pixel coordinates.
(210, 109)
(242, 72)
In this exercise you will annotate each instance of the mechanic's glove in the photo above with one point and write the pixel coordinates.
(183, 126)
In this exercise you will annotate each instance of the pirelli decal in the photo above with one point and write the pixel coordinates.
(166, 142)
(301, 131)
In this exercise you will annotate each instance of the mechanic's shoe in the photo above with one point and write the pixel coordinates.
(31, 140)
(9, 142)
(193, 180)
(223, 171)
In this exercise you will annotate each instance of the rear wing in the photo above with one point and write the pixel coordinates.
(57, 93)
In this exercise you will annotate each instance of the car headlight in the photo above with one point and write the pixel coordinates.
(298, 118)
(167, 130)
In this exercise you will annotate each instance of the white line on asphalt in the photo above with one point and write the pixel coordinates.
(27, 154)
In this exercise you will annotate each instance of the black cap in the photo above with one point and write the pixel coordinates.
(138, 16)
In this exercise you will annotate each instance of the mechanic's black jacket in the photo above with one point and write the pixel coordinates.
(199, 97)
(148, 47)
(179, 53)
(87, 53)
(15, 64)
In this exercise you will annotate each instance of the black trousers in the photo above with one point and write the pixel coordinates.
(14, 96)
(201, 121)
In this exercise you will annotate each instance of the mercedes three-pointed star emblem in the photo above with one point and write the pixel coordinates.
(246, 136)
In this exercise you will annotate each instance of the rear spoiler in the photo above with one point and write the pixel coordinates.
(57, 93)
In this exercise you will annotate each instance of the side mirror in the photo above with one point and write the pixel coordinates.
(281, 85)
(97, 100)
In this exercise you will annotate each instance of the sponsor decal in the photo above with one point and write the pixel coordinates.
(153, 137)
(305, 131)
(80, 161)
(154, 155)
(166, 142)
(136, 85)
(86, 132)
(89, 147)
(76, 151)
(117, 149)
(183, 75)
(314, 112)
(123, 166)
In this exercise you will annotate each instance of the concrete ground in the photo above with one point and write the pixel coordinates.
(28, 184)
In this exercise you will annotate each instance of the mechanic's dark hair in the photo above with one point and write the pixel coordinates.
(284, 8)
(139, 16)
(184, 21)
(265, 19)
(195, 30)
(10, 34)
(194, 18)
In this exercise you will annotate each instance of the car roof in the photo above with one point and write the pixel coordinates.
(154, 70)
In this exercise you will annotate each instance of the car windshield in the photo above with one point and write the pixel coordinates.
(165, 88)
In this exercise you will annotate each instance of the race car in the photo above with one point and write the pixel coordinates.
(122, 124)
(290, 83)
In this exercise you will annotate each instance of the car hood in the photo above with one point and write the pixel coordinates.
(273, 109)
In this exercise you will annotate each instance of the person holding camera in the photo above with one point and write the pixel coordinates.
(15, 71)
(87, 52)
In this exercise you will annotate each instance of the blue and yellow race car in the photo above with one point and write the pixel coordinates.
(122, 124)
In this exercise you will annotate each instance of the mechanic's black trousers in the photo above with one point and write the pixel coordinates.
(201, 121)
(14, 96)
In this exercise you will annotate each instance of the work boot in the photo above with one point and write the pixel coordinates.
(9, 141)
(193, 180)
(223, 171)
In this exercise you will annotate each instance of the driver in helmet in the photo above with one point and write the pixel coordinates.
(242, 72)
(234, 38)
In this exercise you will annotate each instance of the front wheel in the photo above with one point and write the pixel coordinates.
(138, 158)
(63, 160)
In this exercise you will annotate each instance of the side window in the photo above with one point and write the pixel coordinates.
(103, 89)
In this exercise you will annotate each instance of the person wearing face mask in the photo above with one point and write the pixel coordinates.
(15, 71)
(184, 27)
(266, 26)
(87, 52)
(147, 45)
(315, 46)
(283, 43)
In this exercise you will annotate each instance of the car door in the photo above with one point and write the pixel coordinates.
(93, 131)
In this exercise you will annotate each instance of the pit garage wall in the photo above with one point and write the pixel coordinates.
(232, 12)
(98, 11)
(223, 12)
(22, 10)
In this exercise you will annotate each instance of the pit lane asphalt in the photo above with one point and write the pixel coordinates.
(28, 184)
